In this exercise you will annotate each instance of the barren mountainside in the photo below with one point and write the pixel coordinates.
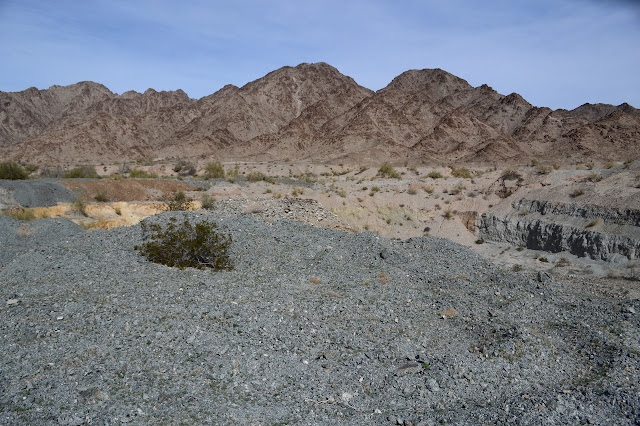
(311, 112)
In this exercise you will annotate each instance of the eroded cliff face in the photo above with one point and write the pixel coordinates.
(586, 230)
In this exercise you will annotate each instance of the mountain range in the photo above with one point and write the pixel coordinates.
(311, 112)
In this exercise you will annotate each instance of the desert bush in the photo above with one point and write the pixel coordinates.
(81, 172)
(387, 171)
(592, 223)
(576, 193)
(627, 163)
(516, 268)
(461, 172)
(184, 168)
(510, 174)
(447, 215)
(412, 191)
(609, 165)
(31, 168)
(177, 202)
(101, 197)
(434, 175)
(12, 171)
(208, 202)
(141, 174)
(52, 172)
(541, 169)
(79, 207)
(593, 177)
(256, 176)
(184, 245)
(21, 214)
(429, 189)
(458, 189)
(214, 170)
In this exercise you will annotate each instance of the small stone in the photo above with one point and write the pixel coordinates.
(191, 339)
(432, 385)
(12, 302)
(544, 277)
(346, 396)
(628, 310)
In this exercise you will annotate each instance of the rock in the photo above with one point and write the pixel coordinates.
(544, 277)
(432, 385)
(628, 310)
(13, 302)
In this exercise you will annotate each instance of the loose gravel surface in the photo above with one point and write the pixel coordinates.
(35, 193)
(313, 326)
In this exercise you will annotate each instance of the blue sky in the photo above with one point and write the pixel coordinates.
(557, 53)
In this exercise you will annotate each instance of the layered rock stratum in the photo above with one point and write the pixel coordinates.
(311, 112)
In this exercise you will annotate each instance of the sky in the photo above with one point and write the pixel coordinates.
(555, 53)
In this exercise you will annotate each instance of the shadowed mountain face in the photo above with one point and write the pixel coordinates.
(311, 112)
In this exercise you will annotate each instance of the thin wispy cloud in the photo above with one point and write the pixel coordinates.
(554, 53)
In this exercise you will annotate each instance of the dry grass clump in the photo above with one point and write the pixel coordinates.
(387, 171)
(461, 172)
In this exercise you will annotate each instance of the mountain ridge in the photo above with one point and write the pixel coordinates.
(311, 112)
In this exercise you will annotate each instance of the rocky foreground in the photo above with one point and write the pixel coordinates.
(313, 326)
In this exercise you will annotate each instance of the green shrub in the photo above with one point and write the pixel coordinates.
(177, 202)
(12, 171)
(184, 245)
(81, 172)
(79, 207)
(208, 202)
(141, 174)
(461, 172)
(21, 214)
(387, 171)
(214, 171)
(435, 175)
(101, 197)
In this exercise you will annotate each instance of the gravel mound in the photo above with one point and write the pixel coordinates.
(313, 326)
(36, 193)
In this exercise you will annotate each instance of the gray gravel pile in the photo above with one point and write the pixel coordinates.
(34, 193)
(313, 326)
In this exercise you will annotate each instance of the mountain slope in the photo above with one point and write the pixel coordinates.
(311, 112)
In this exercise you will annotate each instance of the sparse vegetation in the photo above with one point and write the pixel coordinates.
(609, 165)
(510, 174)
(461, 172)
(593, 177)
(141, 174)
(576, 193)
(81, 172)
(428, 189)
(434, 175)
(214, 170)
(516, 268)
(447, 214)
(184, 245)
(12, 171)
(79, 207)
(592, 223)
(21, 214)
(101, 197)
(458, 189)
(387, 171)
(207, 202)
(479, 241)
(185, 168)
(177, 202)
(411, 191)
